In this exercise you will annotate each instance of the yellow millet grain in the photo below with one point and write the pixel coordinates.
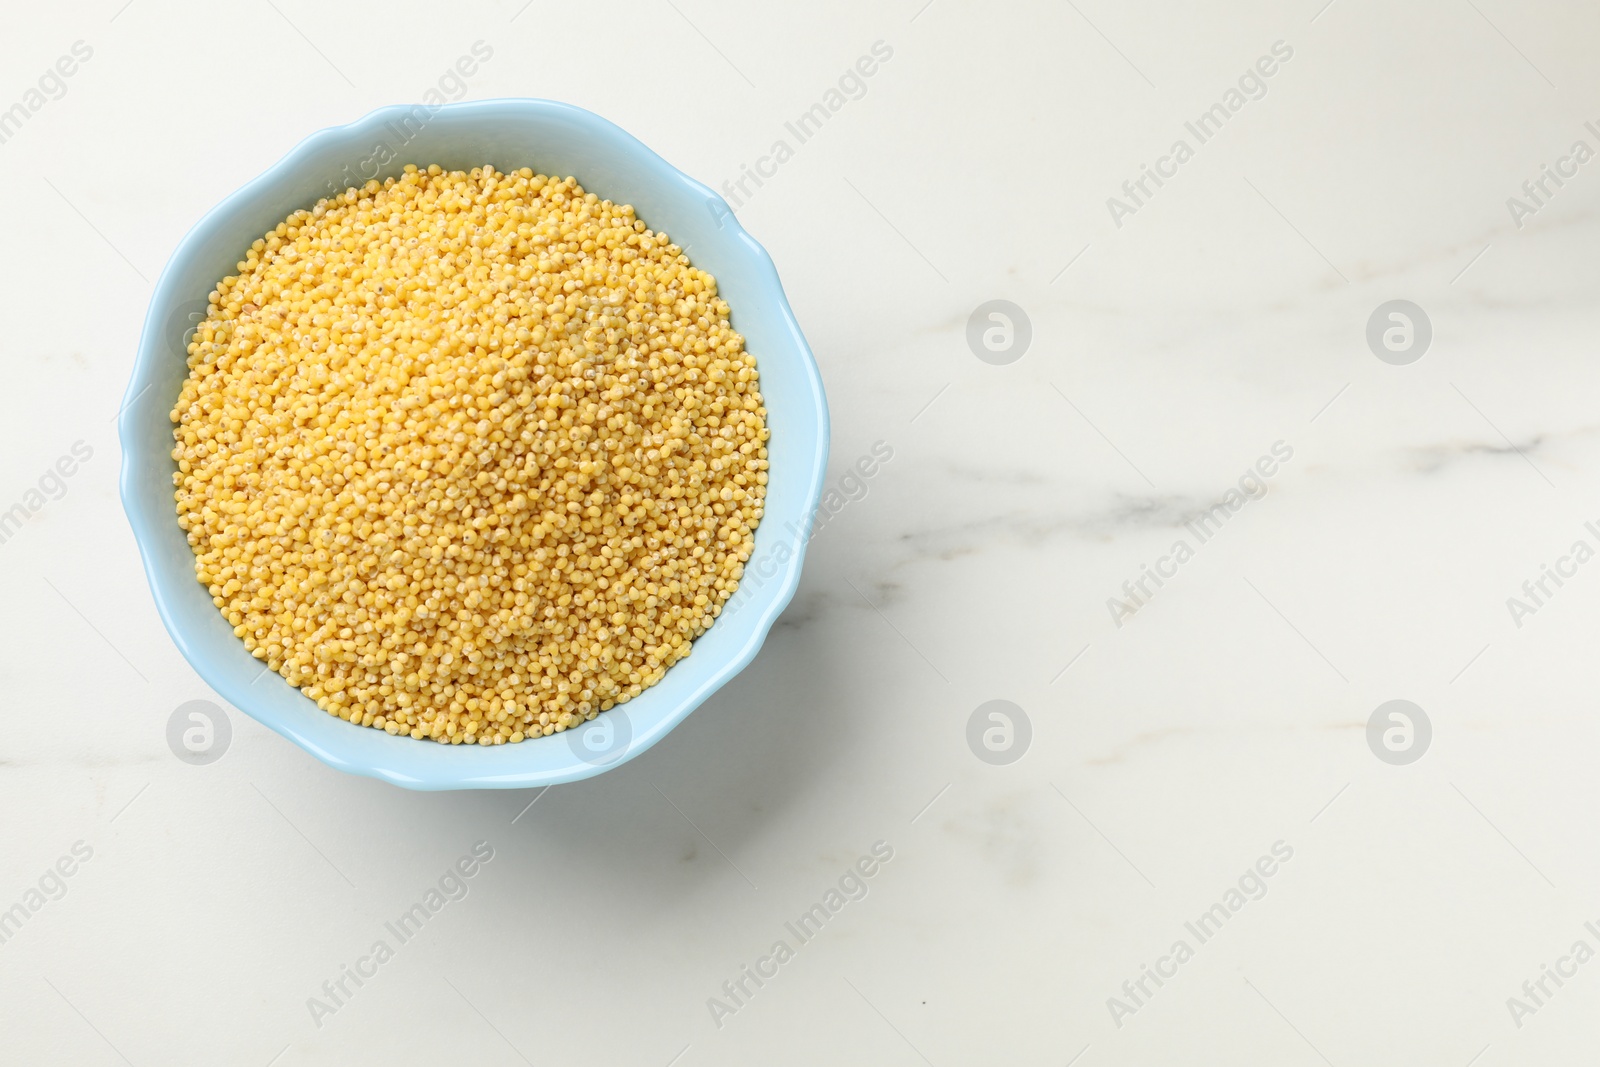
(469, 456)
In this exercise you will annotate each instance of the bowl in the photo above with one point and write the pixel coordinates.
(552, 138)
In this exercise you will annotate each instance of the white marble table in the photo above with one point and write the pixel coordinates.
(1198, 857)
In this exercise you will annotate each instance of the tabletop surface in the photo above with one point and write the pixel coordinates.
(1190, 665)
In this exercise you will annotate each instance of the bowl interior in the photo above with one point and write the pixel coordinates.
(551, 138)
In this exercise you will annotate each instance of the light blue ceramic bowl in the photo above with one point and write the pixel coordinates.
(552, 138)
